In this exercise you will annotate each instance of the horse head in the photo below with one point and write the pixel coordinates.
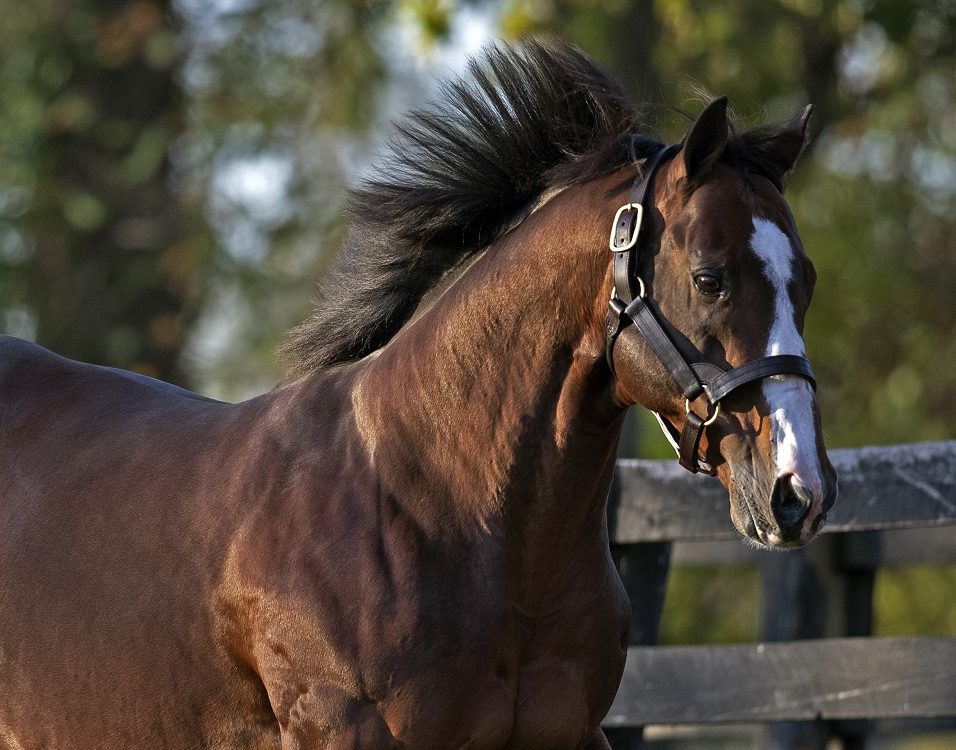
(726, 283)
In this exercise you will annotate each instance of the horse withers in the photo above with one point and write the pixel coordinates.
(404, 544)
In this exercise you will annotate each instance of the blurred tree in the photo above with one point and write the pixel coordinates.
(281, 96)
(99, 262)
(125, 127)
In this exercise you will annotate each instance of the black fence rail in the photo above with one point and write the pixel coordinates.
(817, 673)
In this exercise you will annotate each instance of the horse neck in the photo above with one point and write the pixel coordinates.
(493, 410)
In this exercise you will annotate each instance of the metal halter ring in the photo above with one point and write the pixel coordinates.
(710, 418)
(640, 294)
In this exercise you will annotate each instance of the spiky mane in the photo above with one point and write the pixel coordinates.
(527, 118)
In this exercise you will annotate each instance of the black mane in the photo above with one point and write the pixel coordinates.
(529, 118)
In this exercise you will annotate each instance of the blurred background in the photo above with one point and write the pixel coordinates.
(172, 172)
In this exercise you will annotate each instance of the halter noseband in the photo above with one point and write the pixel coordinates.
(630, 315)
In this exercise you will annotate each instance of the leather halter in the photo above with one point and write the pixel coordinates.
(629, 314)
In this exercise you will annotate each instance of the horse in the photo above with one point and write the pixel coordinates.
(404, 544)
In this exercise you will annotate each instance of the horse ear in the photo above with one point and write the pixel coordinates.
(706, 140)
(792, 137)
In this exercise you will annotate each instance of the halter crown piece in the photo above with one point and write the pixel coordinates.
(630, 315)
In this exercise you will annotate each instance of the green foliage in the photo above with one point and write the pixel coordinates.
(278, 95)
(88, 213)
(711, 605)
(433, 17)
(915, 600)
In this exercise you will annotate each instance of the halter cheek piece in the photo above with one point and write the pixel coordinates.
(630, 315)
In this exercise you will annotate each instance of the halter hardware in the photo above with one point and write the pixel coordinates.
(711, 418)
(630, 314)
(631, 226)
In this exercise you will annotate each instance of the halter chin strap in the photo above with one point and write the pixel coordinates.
(629, 314)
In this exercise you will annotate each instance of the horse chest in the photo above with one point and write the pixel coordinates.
(425, 646)
(477, 677)
(549, 689)
(569, 678)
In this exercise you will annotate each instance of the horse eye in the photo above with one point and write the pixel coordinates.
(708, 284)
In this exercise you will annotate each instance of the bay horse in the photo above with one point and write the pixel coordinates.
(404, 544)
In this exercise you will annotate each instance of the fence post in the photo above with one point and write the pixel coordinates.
(813, 593)
(859, 579)
(798, 602)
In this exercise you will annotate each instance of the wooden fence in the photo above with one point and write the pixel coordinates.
(817, 672)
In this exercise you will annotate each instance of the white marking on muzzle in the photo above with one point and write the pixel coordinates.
(790, 398)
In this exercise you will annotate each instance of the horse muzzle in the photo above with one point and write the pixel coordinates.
(792, 513)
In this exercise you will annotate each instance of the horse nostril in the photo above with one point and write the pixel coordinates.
(789, 503)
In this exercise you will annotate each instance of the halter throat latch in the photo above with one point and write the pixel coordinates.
(630, 314)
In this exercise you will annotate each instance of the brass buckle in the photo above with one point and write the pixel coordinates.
(637, 227)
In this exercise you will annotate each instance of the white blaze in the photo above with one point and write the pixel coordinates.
(790, 398)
